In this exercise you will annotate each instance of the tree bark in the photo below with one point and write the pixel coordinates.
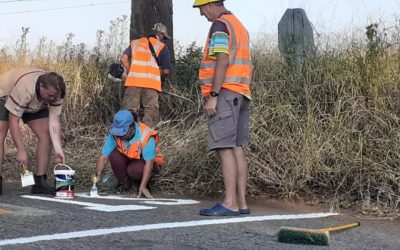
(145, 13)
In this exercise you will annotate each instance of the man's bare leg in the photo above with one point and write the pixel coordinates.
(3, 134)
(230, 172)
(242, 176)
(40, 128)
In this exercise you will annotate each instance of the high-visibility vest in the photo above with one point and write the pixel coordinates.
(239, 72)
(136, 148)
(144, 71)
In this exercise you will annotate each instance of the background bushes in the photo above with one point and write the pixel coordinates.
(330, 132)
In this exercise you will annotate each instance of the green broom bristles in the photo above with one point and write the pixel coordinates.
(303, 236)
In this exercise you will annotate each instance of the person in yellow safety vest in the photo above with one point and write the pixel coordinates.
(225, 74)
(131, 147)
(147, 61)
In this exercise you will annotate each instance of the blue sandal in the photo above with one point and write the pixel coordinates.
(218, 210)
(245, 211)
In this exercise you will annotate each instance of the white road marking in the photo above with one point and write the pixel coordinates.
(154, 201)
(128, 229)
(92, 206)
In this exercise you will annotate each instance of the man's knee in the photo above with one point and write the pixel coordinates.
(225, 153)
(116, 158)
(44, 138)
(135, 174)
(3, 132)
(135, 169)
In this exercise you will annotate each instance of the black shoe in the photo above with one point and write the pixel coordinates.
(1, 185)
(126, 186)
(41, 186)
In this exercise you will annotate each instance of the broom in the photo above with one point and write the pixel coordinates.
(305, 236)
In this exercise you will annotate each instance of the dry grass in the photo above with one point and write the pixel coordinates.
(330, 132)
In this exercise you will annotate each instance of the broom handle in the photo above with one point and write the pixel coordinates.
(338, 228)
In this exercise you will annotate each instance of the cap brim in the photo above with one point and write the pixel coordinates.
(167, 36)
(118, 131)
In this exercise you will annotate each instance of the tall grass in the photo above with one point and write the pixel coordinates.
(330, 132)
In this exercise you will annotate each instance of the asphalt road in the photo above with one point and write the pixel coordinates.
(41, 222)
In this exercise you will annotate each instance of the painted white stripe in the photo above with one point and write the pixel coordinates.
(154, 201)
(92, 206)
(107, 231)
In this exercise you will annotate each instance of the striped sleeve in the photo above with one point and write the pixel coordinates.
(219, 43)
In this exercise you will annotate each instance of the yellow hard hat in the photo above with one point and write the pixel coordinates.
(198, 3)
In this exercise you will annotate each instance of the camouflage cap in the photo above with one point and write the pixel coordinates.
(161, 28)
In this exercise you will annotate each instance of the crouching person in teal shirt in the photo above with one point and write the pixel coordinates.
(131, 148)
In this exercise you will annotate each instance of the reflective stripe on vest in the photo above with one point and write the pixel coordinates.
(239, 72)
(146, 134)
(144, 71)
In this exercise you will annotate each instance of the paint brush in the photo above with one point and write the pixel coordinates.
(93, 190)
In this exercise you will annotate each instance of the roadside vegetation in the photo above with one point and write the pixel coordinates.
(329, 132)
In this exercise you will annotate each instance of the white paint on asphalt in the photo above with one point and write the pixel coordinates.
(92, 206)
(137, 228)
(154, 201)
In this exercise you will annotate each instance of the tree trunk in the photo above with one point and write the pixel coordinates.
(145, 13)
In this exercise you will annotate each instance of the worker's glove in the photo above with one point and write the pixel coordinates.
(113, 78)
(117, 72)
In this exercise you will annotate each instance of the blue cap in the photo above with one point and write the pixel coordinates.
(122, 120)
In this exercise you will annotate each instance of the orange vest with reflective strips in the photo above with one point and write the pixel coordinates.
(144, 71)
(136, 148)
(238, 75)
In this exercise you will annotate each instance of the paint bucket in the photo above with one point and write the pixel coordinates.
(64, 181)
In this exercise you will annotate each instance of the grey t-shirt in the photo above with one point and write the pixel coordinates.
(219, 26)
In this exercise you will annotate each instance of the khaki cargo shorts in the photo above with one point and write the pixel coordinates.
(229, 127)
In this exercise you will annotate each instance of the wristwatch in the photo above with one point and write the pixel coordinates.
(214, 94)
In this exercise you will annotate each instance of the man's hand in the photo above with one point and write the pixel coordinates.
(211, 106)
(22, 157)
(114, 79)
(59, 157)
(145, 192)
